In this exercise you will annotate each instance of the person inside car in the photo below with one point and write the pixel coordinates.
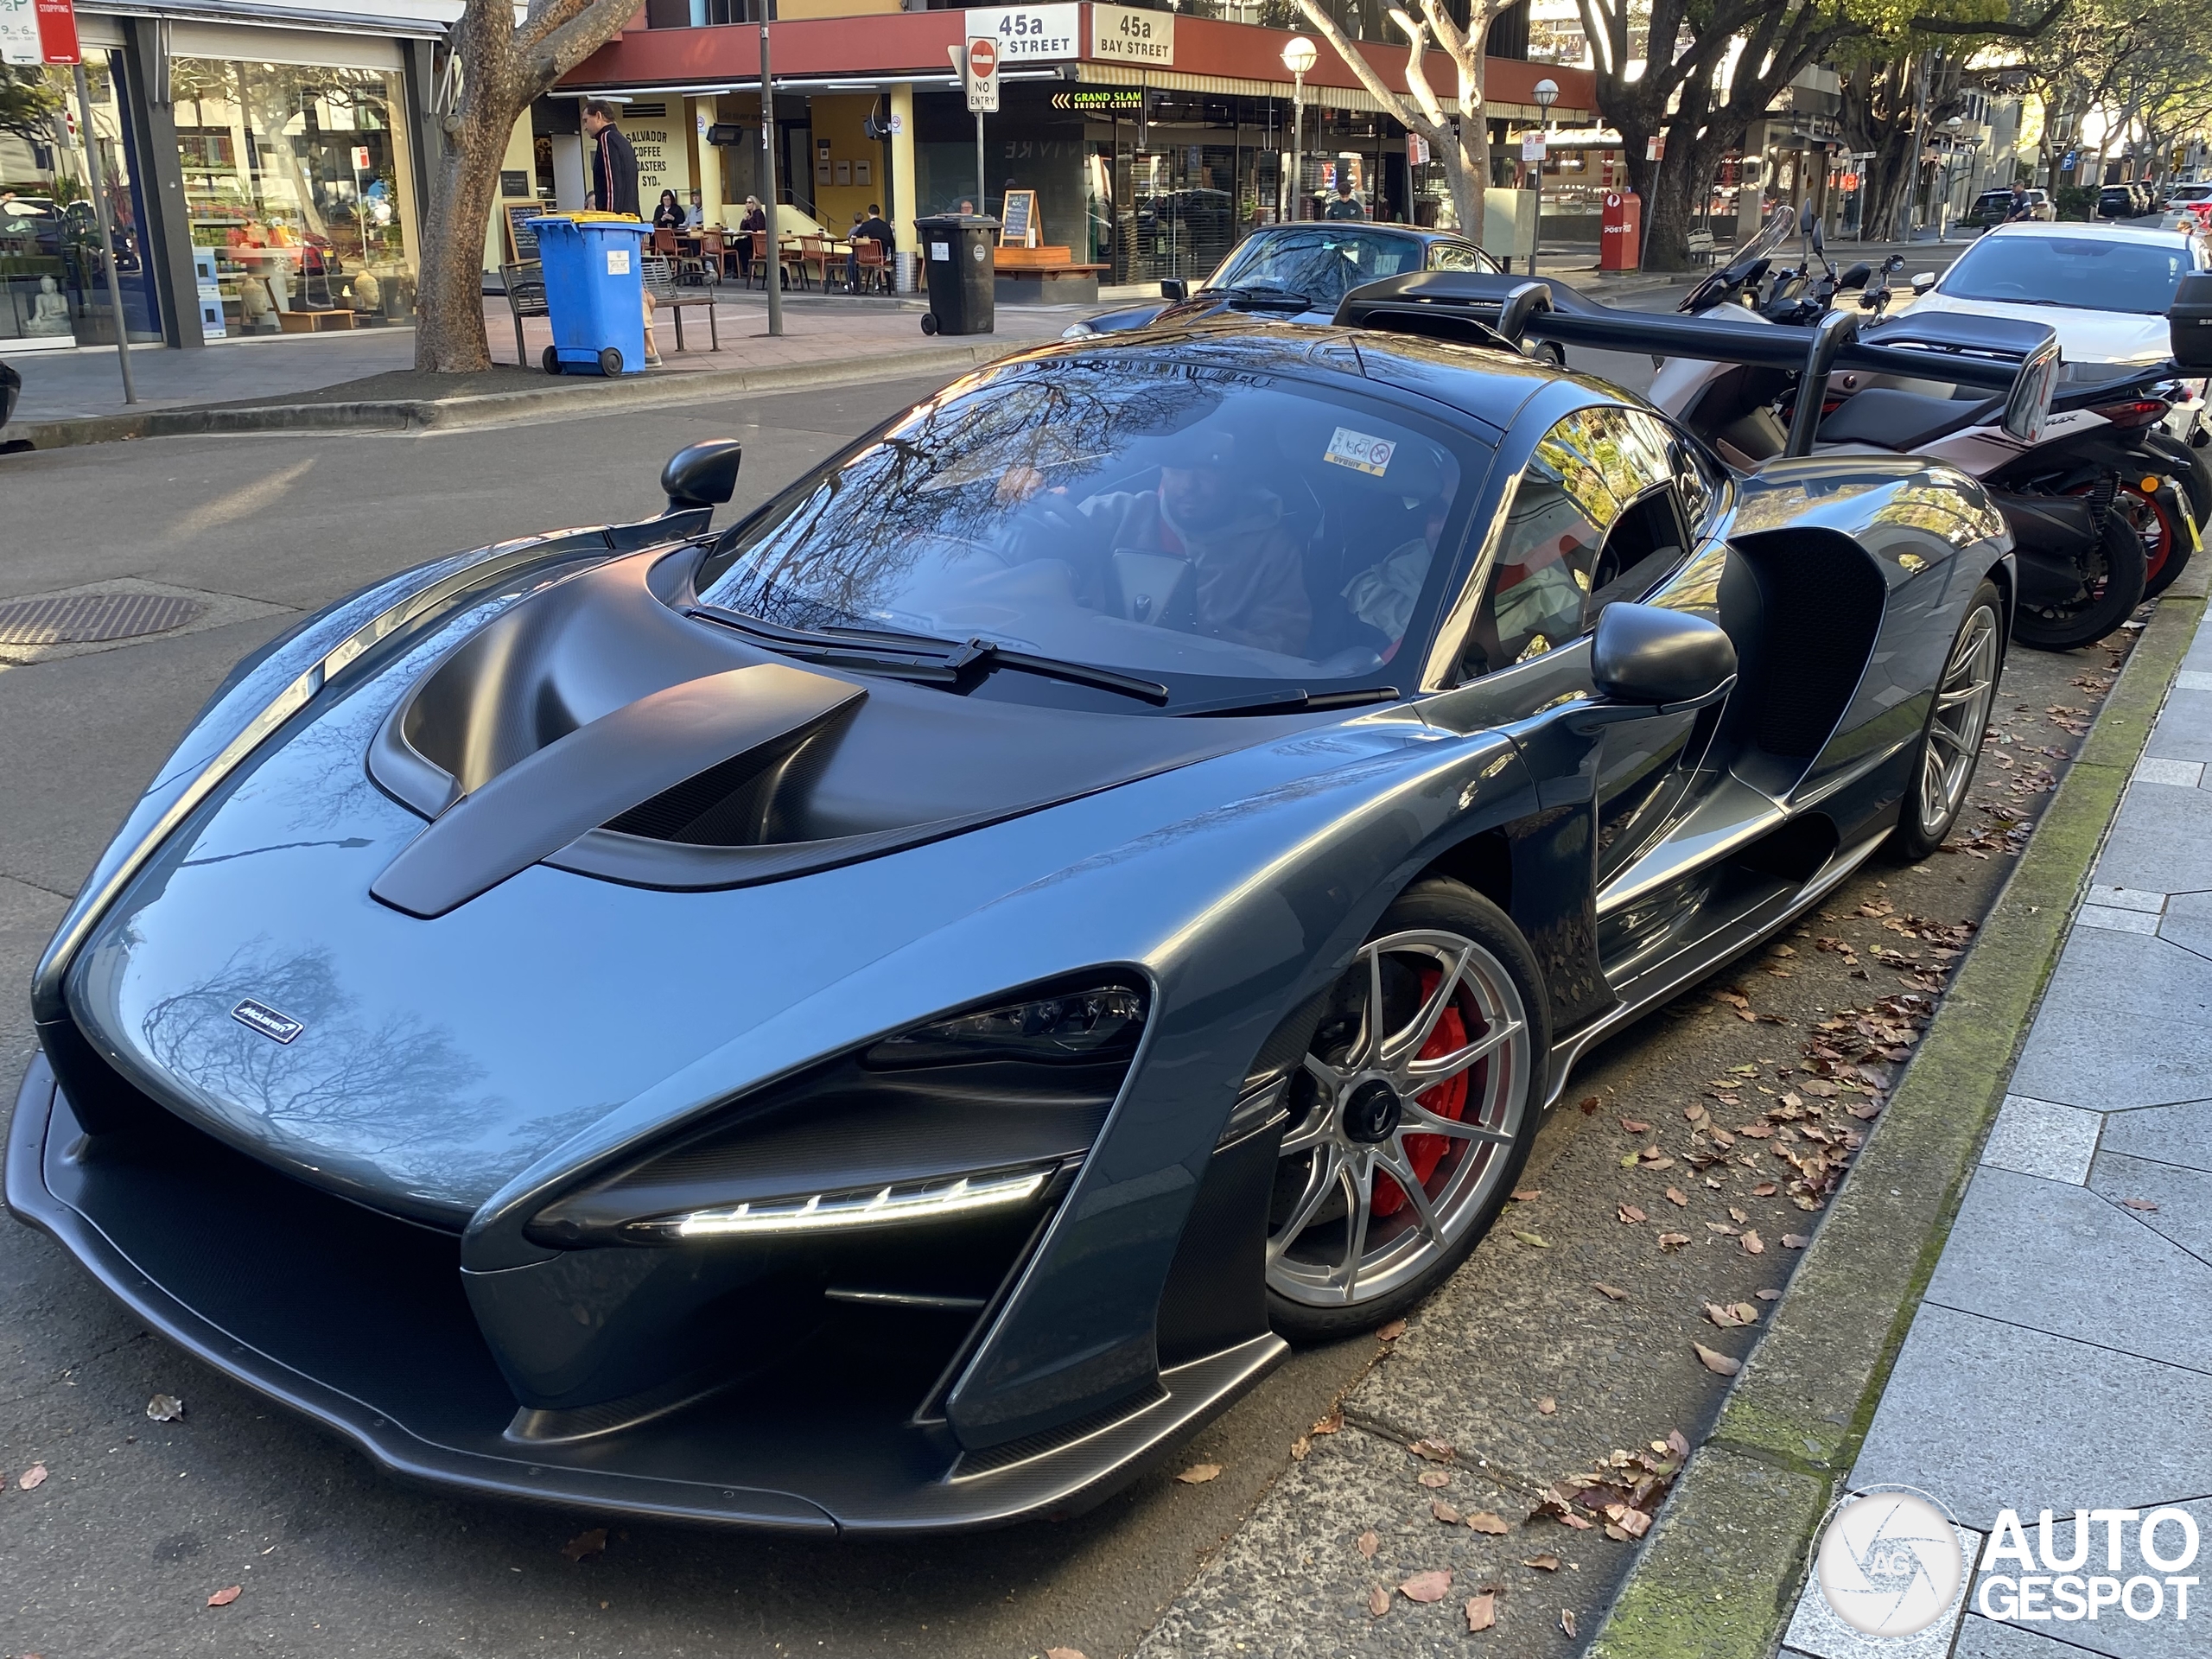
(1247, 584)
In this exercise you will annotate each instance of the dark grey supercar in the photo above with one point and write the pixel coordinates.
(887, 1015)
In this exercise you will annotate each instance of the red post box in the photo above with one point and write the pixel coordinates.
(1620, 231)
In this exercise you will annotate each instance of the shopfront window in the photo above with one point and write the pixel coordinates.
(52, 275)
(301, 193)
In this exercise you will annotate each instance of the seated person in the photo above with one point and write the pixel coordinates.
(1540, 588)
(1383, 596)
(1247, 584)
(871, 229)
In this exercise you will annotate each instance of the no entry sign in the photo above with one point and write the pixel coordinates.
(980, 74)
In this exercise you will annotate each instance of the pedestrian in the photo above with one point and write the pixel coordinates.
(614, 163)
(614, 187)
(1344, 204)
(755, 217)
(2020, 208)
(669, 215)
(871, 229)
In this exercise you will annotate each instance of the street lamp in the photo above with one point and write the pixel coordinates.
(1298, 56)
(1545, 93)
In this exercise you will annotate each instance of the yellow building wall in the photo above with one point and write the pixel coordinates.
(836, 120)
(521, 156)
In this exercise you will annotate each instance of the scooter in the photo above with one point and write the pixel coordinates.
(2082, 558)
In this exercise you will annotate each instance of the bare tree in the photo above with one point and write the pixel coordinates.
(505, 65)
(1462, 145)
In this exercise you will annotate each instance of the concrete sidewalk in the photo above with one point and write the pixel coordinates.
(85, 383)
(2061, 1359)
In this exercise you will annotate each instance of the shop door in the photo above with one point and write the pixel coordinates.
(1180, 219)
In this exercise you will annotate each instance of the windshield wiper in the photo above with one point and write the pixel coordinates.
(1292, 700)
(921, 657)
(1264, 294)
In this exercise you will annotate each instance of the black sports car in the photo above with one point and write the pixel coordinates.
(1297, 272)
(886, 1015)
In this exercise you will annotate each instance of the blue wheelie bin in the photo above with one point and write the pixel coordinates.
(595, 291)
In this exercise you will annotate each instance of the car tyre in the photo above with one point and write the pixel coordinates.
(1943, 760)
(1465, 1047)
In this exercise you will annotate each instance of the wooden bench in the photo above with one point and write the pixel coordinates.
(660, 282)
(525, 286)
(1043, 277)
(1701, 246)
(310, 322)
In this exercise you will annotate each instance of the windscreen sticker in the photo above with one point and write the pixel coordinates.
(1360, 452)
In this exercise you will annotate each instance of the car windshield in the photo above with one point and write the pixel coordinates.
(2095, 273)
(1322, 264)
(1125, 513)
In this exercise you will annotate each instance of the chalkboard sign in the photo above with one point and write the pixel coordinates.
(522, 241)
(1017, 220)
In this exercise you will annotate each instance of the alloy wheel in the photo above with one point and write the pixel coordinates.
(1962, 714)
(1404, 1116)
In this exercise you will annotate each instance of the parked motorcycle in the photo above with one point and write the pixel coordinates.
(2090, 499)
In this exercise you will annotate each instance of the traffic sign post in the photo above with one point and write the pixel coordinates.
(979, 75)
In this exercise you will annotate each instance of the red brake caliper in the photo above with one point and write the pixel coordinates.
(1447, 1099)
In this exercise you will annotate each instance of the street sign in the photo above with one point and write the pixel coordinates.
(33, 32)
(1125, 35)
(1032, 33)
(979, 74)
(1532, 147)
(1416, 150)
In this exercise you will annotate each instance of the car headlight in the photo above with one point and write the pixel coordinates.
(1097, 1024)
(824, 1213)
(1078, 331)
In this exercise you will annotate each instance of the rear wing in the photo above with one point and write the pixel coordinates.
(2018, 360)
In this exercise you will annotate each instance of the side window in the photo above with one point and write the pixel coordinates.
(1700, 480)
(1558, 547)
(1455, 256)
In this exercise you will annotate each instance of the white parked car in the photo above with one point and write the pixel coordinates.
(2104, 287)
(2186, 206)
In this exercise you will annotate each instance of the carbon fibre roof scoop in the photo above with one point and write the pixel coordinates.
(600, 771)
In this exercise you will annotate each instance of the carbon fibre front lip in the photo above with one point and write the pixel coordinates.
(1056, 1480)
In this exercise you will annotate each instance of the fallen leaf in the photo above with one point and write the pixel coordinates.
(1722, 1228)
(1545, 1563)
(165, 1407)
(1391, 1331)
(1768, 1295)
(1378, 1602)
(1630, 1214)
(1794, 1241)
(1535, 1241)
(1198, 1473)
(1611, 1292)
(1299, 1449)
(1675, 1196)
(1724, 1317)
(1752, 1243)
(1434, 1451)
(1673, 1241)
(1546, 1406)
(1528, 1194)
(1427, 1586)
(1756, 1131)
(1444, 1512)
(1634, 1523)
(1763, 1189)
(1618, 1533)
(1718, 1364)
(226, 1596)
(1658, 1163)
(31, 1477)
(1566, 1620)
(585, 1545)
(1738, 1216)
(1485, 1521)
(1588, 1104)
(1328, 1425)
(2140, 1203)
(1482, 1613)
(1632, 1127)
(1865, 1110)
(1677, 1445)
(1433, 1478)
(1063, 1653)
(1368, 1542)
(1744, 1313)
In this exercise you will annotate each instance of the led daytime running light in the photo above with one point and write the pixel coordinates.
(825, 1212)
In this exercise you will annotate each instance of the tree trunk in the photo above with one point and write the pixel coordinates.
(1679, 184)
(450, 291)
(1466, 169)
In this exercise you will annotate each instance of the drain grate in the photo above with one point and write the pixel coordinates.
(89, 619)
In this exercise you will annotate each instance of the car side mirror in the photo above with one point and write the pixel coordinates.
(1172, 289)
(1646, 654)
(2189, 322)
(701, 475)
(1923, 283)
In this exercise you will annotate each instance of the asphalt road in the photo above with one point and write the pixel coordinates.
(137, 1523)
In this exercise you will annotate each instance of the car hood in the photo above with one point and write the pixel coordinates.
(2083, 336)
(251, 978)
